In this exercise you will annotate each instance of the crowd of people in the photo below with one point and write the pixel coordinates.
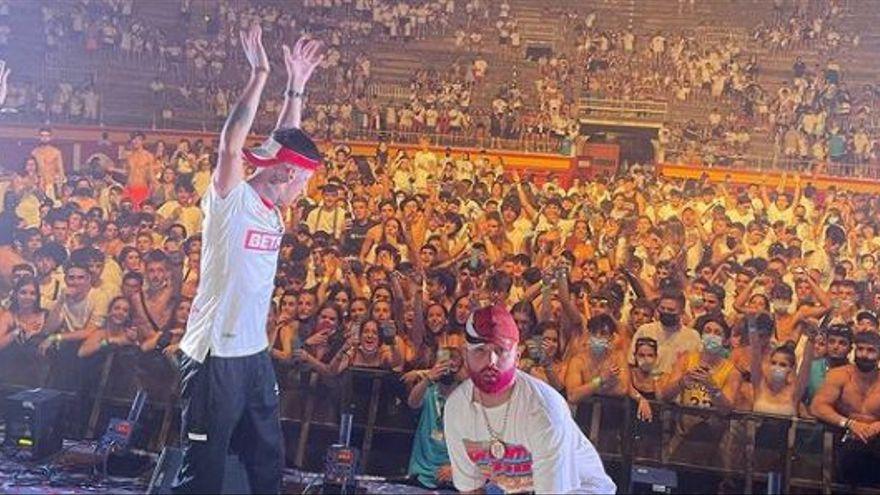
(711, 295)
(193, 81)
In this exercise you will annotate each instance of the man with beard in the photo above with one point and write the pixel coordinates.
(850, 399)
(153, 306)
(228, 389)
(508, 431)
(838, 344)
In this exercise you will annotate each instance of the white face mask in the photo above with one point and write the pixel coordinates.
(778, 375)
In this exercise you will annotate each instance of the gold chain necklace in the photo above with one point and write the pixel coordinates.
(497, 448)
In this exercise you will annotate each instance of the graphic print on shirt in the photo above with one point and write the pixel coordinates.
(512, 473)
(255, 240)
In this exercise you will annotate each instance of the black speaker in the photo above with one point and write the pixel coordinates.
(652, 480)
(33, 422)
(235, 479)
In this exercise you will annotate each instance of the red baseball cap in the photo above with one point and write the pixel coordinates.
(285, 146)
(492, 324)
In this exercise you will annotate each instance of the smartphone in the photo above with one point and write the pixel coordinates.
(443, 354)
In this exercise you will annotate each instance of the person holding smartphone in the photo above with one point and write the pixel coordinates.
(429, 463)
(374, 346)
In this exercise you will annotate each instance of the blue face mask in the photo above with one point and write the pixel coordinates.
(713, 344)
(599, 345)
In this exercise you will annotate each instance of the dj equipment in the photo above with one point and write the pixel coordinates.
(652, 480)
(120, 431)
(235, 479)
(114, 446)
(33, 420)
(341, 462)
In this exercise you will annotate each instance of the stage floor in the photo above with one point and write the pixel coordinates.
(78, 470)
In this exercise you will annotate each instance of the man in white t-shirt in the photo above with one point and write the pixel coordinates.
(673, 338)
(509, 432)
(227, 379)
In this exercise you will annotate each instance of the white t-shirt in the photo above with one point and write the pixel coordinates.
(189, 216)
(241, 237)
(670, 345)
(546, 452)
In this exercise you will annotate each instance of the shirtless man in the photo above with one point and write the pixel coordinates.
(850, 399)
(50, 164)
(141, 171)
(152, 307)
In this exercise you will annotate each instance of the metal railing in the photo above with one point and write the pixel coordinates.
(842, 168)
(390, 91)
(800, 451)
(645, 109)
(742, 446)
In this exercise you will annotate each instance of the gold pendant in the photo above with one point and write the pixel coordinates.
(497, 449)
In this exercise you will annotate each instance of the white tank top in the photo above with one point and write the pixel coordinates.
(241, 237)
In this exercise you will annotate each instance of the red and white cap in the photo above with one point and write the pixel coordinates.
(285, 146)
(492, 324)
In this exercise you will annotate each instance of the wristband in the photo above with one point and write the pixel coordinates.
(845, 423)
(290, 93)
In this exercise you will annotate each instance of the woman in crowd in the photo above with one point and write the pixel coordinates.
(778, 382)
(644, 377)
(705, 378)
(164, 191)
(283, 333)
(116, 332)
(129, 260)
(320, 346)
(25, 318)
(373, 347)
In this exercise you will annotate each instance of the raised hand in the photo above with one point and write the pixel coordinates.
(302, 61)
(4, 77)
(252, 44)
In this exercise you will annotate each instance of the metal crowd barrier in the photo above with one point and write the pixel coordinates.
(99, 387)
(643, 108)
(746, 447)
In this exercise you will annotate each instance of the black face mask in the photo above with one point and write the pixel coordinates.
(834, 362)
(447, 379)
(866, 365)
(669, 320)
